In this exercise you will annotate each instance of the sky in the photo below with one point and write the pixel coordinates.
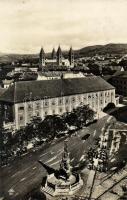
(26, 25)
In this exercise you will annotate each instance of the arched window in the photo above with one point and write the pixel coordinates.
(53, 112)
(60, 110)
(46, 103)
(73, 99)
(66, 101)
(53, 102)
(60, 101)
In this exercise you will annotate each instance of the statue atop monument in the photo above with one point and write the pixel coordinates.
(61, 182)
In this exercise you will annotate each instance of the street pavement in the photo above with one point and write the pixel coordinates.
(25, 173)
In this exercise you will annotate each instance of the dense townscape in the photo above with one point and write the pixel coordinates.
(63, 131)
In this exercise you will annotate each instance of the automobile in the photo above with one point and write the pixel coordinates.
(30, 145)
(72, 128)
(38, 143)
(85, 137)
(91, 122)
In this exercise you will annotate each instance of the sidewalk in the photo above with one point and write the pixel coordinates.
(103, 190)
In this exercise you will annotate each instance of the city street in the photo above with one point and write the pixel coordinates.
(26, 173)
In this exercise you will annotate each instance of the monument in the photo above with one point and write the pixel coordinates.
(64, 181)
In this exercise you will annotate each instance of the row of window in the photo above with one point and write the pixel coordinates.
(53, 112)
(61, 110)
(120, 82)
(95, 102)
(61, 101)
(53, 103)
(21, 117)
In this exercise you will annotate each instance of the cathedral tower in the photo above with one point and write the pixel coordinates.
(42, 58)
(71, 57)
(53, 54)
(59, 56)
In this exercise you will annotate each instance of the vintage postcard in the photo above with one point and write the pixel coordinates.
(63, 100)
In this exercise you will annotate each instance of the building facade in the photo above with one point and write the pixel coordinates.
(119, 81)
(48, 97)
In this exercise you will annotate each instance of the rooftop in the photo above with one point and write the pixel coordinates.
(122, 74)
(2, 90)
(35, 90)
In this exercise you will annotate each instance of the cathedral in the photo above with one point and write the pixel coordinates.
(56, 59)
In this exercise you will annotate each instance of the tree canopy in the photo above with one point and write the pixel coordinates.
(40, 130)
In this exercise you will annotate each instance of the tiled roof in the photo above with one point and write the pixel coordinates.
(117, 67)
(2, 90)
(26, 90)
(122, 74)
(107, 77)
(50, 74)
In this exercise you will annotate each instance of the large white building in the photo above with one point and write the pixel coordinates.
(23, 100)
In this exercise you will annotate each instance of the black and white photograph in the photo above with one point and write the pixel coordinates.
(63, 99)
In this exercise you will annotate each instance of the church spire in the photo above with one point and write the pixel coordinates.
(53, 54)
(59, 56)
(71, 57)
(41, 58)
(59, 51)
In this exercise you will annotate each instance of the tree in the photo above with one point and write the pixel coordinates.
(70, 118)
(53, 124)
(89, 114)
(84, 114)
(29, 131)
(94, 68)
(79, 116)
(37, 126)
(5, 145)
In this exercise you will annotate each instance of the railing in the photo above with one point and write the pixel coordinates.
(63, 187)
(51, 185)
(74, 185)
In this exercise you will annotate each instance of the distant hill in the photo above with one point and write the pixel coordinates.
(4, 58)
(86, 51)
(103, 49)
